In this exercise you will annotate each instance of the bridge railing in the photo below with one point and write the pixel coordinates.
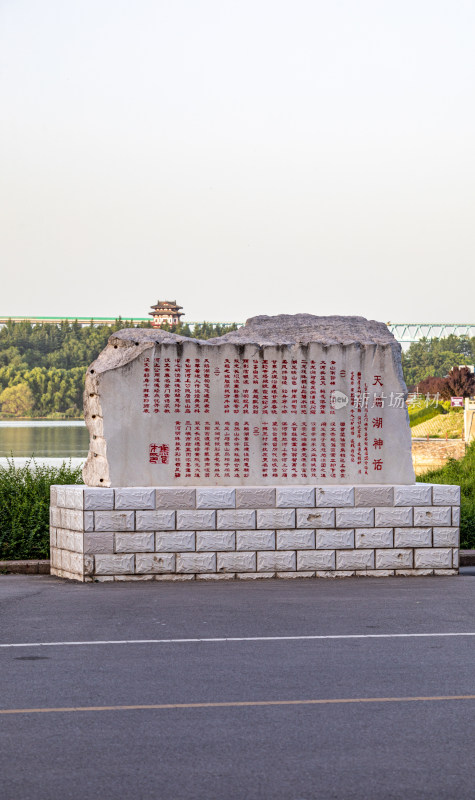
(406, 332)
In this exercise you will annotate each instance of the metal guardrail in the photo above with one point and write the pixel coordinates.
(84, 321)
(80, 320)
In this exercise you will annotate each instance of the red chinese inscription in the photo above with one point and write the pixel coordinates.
(159, 454)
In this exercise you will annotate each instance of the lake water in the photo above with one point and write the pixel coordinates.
(50, 442)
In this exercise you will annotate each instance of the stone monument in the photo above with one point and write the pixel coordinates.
(282, 448)
(282, 401)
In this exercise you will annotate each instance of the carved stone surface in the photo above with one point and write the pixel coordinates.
(285, 400)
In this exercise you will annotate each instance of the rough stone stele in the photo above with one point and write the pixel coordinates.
(285, 400)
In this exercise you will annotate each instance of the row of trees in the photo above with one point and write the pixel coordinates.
(41, 392)
(63, 346)
(42, 367)
(435, 357)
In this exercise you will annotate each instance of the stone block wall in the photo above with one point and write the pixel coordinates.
(248, 533)
(434, 453)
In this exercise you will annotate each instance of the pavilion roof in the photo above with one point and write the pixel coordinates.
(165, 305)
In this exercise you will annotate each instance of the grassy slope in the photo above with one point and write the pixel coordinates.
(440, 426)
(418, 415)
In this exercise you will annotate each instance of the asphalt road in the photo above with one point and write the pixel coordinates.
(211, 719)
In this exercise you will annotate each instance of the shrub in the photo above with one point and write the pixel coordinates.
(459, 382)
(462, 473)
(432, 385)
(24, 507)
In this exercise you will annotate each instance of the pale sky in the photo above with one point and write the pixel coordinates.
(244, 157)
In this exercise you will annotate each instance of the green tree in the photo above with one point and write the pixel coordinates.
(17, 400)
(436, 357)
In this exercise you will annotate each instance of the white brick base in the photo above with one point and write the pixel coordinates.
(242, 534)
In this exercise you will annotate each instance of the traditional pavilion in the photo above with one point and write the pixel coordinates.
(165, 311)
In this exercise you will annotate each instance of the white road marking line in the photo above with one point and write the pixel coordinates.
(240, 639)
(239, 704)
